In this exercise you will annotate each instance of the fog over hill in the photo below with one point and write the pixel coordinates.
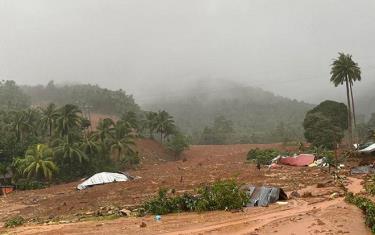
(256, 114)
(150, 48)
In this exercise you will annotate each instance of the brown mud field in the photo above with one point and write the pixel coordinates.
(316, 212)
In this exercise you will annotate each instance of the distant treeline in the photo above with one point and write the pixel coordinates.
(88, 97)
(236, 114)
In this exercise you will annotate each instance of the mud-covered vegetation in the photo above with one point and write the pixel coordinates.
(367, 206)
(222, 195)
(14, 222)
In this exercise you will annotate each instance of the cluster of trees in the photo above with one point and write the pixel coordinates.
(221, 132)
(12, 97)
(160, 122)
(87, 97)
(46, 140)
(325, 125)
(39, 143)
(42, 142)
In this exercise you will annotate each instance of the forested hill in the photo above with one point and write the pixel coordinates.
(256, 115)
(211, 114)
(86, 96)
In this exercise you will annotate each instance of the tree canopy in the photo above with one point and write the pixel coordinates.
(325, 124)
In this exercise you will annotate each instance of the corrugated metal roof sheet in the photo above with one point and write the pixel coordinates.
(264, 195)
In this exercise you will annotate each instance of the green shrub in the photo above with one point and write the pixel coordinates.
(29, 185)
(222, 195)
(366, 205)
(370, 187)
(262, 156)
(14, 221)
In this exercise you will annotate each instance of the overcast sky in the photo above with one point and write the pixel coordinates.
(280, 45)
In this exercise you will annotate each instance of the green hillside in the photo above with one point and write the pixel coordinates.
(256, 115)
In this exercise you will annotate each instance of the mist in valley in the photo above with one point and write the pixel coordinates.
(158, 49)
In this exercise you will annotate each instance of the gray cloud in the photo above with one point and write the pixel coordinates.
(138, 45)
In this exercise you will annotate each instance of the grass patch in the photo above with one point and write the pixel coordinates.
(366, 205)
(14, 222)
(222, 195)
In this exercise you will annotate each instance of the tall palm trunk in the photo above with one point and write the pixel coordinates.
(350, 129)
(351, 93)
(354, 119)
(50, 129)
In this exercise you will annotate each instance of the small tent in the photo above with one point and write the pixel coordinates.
(103, 178)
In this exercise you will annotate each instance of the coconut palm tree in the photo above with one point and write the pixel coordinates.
(104, 130)
(345, 70)
(151, 122)
(68, 149)
(68, 119)
(48, 118)
(122, 142)
(89, 145)
(38, 161)
(164, 124)
(131, 118)
(21, 124)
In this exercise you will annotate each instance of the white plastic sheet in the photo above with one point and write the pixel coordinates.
(103, 178)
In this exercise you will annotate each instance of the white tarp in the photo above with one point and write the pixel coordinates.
(369, 149)
(103, 178)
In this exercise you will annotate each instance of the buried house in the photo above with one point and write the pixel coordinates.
(104, 178)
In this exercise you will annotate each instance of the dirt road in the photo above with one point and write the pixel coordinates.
(327, 217)
(318, 216)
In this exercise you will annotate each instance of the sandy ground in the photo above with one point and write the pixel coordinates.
(315, 214)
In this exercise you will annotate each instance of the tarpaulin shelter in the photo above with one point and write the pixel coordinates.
(264, 195)
(104, 178)
(299, 160)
